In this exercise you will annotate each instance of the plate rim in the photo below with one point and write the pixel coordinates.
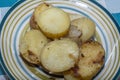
(21, 1)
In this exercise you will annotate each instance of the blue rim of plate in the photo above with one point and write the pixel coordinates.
(21, 1)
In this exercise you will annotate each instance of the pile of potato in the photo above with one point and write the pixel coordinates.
(61, 43)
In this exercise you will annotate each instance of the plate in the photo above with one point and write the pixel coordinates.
(15, 24)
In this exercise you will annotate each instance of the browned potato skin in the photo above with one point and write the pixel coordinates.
(33, 23)
(90, 61)
(30, 58)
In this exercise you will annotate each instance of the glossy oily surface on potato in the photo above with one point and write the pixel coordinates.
(59, 55)
(54, 22)
(31, 45)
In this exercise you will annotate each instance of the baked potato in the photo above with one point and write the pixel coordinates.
(86, 26)
(90, 61)
(59, 55)
(54, 22)
(31, 46)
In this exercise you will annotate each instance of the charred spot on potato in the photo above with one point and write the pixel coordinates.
(75, 71)
(32, 56)
(82, 55)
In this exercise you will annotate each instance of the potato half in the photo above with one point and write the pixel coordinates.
(90, 62)
(31, 46)
(86, 26)
(54, 22)
(59, 55)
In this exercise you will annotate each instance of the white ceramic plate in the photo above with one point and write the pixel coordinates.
(15, 24)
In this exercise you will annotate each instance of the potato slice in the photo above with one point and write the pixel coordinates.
(92, 59)
(90, 62)
(31, 46)
(86, 26)
(54, 22)
(40, 8)
(59, 55)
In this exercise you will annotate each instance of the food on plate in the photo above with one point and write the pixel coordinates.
(70, 75)
(60, 42)
(74, 34)
(33, 23)
(90, 62)
(74, 16)
(40, 8)
(86, 26)
(31, 46)
(54, 22)
(59, 55)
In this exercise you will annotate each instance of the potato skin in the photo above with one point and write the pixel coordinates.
(86, 26)
(31, 46)
(33, 23)
(59, 55)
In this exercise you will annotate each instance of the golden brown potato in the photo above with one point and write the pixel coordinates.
(31, 46)
(59, 55)
(90, 62)
(86, 26)
(54, 22)
(40, 8)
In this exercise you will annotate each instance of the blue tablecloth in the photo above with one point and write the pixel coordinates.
(113, 7)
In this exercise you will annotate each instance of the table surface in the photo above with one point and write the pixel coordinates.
(113, 6)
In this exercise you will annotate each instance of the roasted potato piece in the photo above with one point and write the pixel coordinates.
(31, 46)
(54, 22)
(59, 55)
(86, 26)
(40, 8)
(91, 59)
(90, 62)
